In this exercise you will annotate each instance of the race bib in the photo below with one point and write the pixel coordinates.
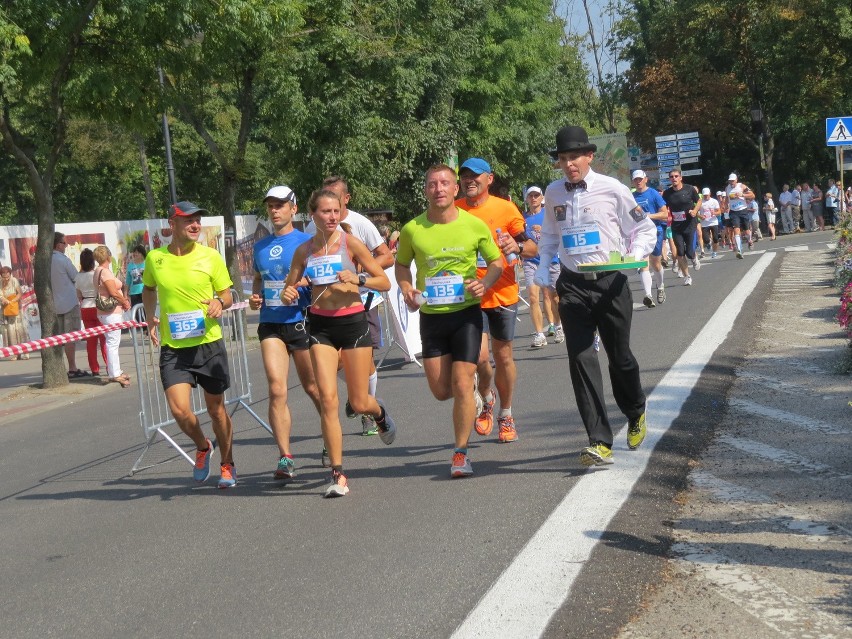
(272, 294)
(444, 289)
(678, 216)
(187, 324)
(583, 238)
(324, 269)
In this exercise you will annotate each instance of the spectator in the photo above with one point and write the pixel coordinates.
(816, 208)
(135, 268)
(11, 322)
(65, 303)
(85, 285)
(106, 285)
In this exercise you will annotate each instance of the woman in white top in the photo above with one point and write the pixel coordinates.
(107, 284)
(85, 285)
(11, 318)
(769, 210)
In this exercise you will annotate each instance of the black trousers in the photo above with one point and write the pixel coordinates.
(604, 304)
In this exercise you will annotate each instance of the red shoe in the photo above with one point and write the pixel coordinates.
(485, 420)
(507, 432)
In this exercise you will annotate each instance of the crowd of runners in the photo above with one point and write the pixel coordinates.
(456, 265)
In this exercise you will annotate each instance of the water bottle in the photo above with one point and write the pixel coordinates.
(420, 298)
(511, 257)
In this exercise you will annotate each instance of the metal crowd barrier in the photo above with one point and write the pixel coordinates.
(154, 414)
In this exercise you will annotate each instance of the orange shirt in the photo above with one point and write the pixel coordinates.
(501, 214)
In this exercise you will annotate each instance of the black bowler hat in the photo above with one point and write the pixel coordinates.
(572, 138)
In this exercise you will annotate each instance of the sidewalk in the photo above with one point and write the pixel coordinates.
(761, 540)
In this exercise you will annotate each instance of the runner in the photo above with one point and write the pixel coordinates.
(444, 243)
(500, 303)
(737, 195)
(710, 222)
(587, 215)
(534, 216)
(683, 202)
(281, 330)
(362, 228)
(337, 264)
(655, 206)
(193, 287)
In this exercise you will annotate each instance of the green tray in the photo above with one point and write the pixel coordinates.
(611, 266)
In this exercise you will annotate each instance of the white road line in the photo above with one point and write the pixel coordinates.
(799, 421)
(785, 613)
(757, 505)
(534, 586)
(792, 461)
(796, 249)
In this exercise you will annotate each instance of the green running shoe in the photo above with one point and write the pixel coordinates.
(596, 455)
(636, 432)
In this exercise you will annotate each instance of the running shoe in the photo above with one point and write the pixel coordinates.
(551, 330)
(696, 264)
(286, 469)
(596, 343)
(750, 244)
(702, 255)
(661, 295)
(560, 335)
(485, 420)
(351, 414)
(675, 269)
(202, 463)
(687, 281)
(326, 462)
(228, 476)
(338, 487)
(387, 429)
(596, 455)
(664, 262)
(647, 301)
(636, 431)
(461, 466)
(714, 255)
(539, 341)
(507, 432)
(739, 255)
(368, 426)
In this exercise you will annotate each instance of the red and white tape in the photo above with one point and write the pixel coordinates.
(76, 336)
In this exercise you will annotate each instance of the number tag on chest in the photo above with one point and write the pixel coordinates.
(324, 269)
(444, 289)
(272, 294)
(583, 238)
(186, 325)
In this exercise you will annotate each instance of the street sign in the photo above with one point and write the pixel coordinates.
(687, 136)
(665, 138)
(689, 145)
(692, 172)
(689, 154)
(838, 131)
(666, 145)
(684, 160)
(667, 156)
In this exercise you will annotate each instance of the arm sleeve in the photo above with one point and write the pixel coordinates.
(548, 246)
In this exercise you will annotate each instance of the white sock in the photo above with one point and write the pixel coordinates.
(739, 239)
(506, 412)
(489, 397)
(645, 276)
(374, 381)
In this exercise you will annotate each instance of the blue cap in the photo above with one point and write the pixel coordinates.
(477, 165)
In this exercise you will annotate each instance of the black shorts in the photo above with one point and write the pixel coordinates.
(375, 322)
(741, 219)
(500, 322)
(343, 332)
(710, 233)
(294, 335)
(458, 334)
(205, 365)
(684, 239)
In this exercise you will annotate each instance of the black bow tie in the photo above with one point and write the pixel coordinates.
(570, 186)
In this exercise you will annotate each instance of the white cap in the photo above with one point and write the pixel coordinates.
(534, 189)
(720, 193)
(283, 193)
(638, 174)
(732, 176)
(705, 191)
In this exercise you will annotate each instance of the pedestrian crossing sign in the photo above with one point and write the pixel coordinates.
(838, 131)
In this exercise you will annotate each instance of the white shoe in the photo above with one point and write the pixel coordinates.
(696, 264)
(687, 281)
(538, 341)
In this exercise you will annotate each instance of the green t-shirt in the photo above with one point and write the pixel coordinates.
(182, 281)
(443, 253)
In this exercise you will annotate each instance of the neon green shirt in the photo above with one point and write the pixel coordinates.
(445, 251)
(182, 281)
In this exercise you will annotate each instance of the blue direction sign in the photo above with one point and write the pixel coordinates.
(667, 156)
(838, 131)
(666, 145)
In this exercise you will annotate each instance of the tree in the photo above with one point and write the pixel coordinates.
(41, 43)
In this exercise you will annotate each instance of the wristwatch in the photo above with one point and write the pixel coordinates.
(521, 246)
(362, 279)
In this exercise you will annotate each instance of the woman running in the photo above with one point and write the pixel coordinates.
(331, 261)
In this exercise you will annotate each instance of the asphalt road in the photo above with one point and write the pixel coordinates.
(90, 551)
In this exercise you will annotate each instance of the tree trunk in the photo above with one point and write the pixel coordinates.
(770, 171)
(146, 177)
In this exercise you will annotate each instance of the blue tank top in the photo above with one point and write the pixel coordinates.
(272, 258)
